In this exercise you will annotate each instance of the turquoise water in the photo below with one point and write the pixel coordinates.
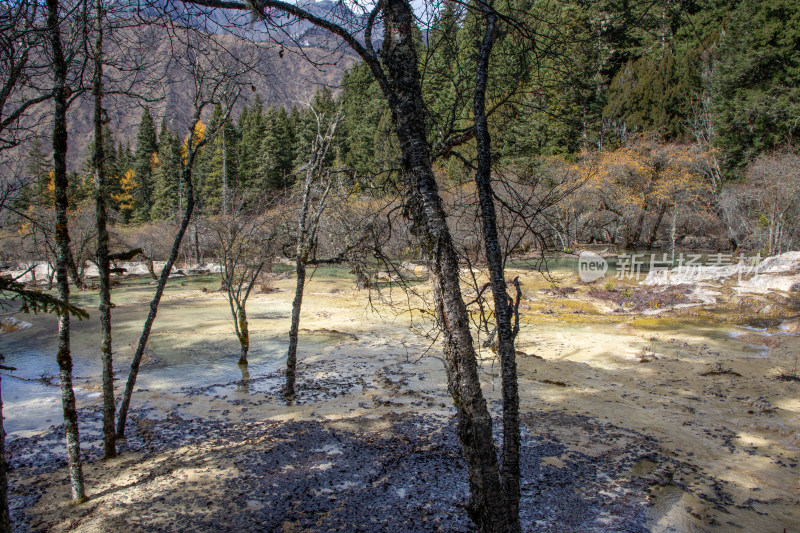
(192, 339)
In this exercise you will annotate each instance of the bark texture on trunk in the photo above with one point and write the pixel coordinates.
(503, 309)
(487, 507)
(297, 303)
(306, 238)
(103, 260)
(5, 519)
(162, 283)
(243, 333)
(64, 356)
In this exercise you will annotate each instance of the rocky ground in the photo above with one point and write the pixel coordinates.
(640, 413)
(392, 472)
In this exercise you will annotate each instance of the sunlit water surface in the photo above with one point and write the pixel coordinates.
(192, 339)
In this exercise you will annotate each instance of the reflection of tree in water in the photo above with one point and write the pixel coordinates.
(244, 385)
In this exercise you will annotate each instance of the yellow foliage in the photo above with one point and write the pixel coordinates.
(196, 137)
(646, 173)
(128, 184)
(50, 191)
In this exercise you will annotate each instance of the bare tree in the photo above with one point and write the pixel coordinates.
(308, 219)
(762, 212)
(102, 254)
(5, 519)
(25, 83)
(245, 237)
(23, 72)
(212, 84)
(64, 357)
(397, 74)
(503, 304)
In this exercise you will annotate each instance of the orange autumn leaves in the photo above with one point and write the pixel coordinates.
(642, 174)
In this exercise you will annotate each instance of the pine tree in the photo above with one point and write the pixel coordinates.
(649, 95)
(305, 129)
(362, 105)
(756, 81)
(38, 167)
(252, 125)
(218, 181)
(277, 150)
(125, 200)
(124, 157)
(111, 166)
(79, 189)
(166, 175)
(145, 157)
(114, 182)
(387, 147)
(445, 77)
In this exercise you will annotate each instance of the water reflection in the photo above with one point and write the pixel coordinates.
(192, 339)
(244, 384)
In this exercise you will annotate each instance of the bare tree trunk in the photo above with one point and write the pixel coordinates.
(244, 334)
(633, 240)
(162, 283)
(487, 507)
(300, 270)
(673, 232)
(656, 226)
(150, 268)
(5, 519)
(64, 356)
(510, 471)
(77, 274)
(297, 303)
(306, 238)
(196, 246)
(103, 261)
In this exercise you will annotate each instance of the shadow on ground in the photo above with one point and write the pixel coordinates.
(389, 473)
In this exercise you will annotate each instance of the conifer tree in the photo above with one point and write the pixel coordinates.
(110, 161)
(124, 157)
(386, 146)
(251, 126)
(38, 168)
(649, 95)
(143, 163)
(219, 180)
(756, 81)
(363, 105)
(277, 150)
(114, 184)
(166, 175)
(304, 134)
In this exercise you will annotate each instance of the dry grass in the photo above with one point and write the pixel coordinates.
(641, 299)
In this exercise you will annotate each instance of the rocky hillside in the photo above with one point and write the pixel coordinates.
(279, 74)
